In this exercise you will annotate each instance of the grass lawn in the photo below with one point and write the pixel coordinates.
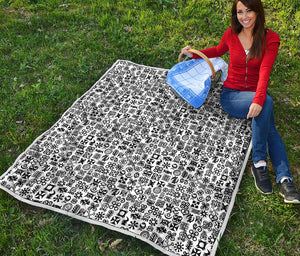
(52, 51)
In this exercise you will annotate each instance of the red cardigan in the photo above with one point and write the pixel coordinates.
(252, 75)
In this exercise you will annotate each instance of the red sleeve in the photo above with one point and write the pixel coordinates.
(272, 42)
(219, 50)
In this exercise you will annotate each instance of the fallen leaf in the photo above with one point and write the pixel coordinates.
(92, 230)
(45, 222)
(114, 244)
(102, 245)
(128, 29)
(64, 5)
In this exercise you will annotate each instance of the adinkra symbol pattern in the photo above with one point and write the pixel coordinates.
(133, 157)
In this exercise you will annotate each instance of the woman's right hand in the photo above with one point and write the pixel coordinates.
(184, 51)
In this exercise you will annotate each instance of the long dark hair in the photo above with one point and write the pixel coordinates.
(259, 27)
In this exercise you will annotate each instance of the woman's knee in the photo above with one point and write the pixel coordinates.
(267, 107)
(268, 102)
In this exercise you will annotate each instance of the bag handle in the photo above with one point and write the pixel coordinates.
(204, 57)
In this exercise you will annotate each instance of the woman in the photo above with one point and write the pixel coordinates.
(253, 50)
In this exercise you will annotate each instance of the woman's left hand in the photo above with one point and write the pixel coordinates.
(254, 110)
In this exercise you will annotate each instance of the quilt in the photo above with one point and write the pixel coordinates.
(131, 156)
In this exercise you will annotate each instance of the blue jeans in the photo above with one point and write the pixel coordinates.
(265, 138)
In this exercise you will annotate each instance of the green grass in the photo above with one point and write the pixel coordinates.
(52, 51)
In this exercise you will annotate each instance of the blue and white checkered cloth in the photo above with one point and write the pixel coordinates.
(192, 79)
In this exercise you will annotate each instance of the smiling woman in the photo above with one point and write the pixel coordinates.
(248, 21)
(253, 50)
(246, 16)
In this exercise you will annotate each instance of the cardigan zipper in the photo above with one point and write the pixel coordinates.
(246, 72)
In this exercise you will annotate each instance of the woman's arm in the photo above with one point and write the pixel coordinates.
(273, 42)
(265, 71)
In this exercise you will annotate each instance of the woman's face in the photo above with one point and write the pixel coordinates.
(245, 16)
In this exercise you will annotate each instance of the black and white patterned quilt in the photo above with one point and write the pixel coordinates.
(131, 156)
